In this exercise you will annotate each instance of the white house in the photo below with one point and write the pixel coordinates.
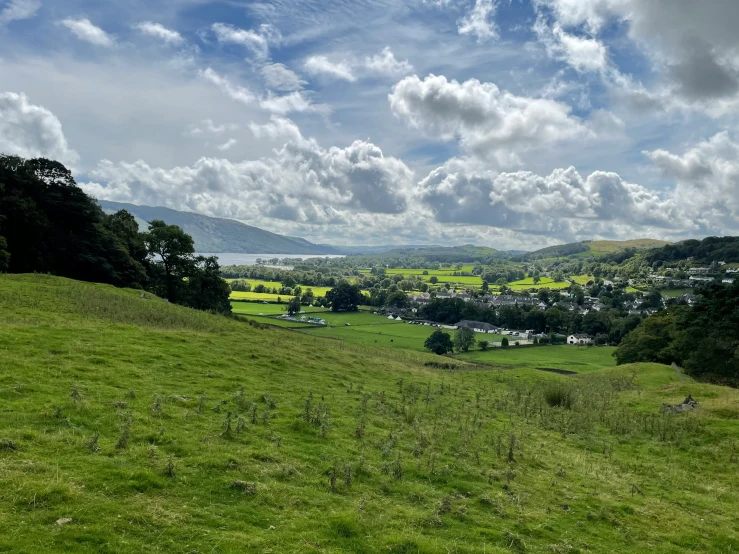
(579, 339)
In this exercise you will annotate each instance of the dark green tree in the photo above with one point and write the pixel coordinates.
(4, 255)
(345, 297)
(439, 343)
(464, 339)
(171, 258)
(204, 289)
(652, 341)
(294, 306)
(504, 343)
(52, 226)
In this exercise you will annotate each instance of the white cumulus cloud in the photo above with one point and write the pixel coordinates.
(233, 91)
(478, 22)
(257, 41)
(386, 63)
(278, 76)
(32, 131)
(85, 30)
(301, 182)
(160, 32)
(489, 123)
(18, 10)
(321, 65)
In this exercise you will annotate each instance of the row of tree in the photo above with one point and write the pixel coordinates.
(49, 225)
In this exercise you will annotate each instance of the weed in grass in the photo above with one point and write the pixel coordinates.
(333, 474)
(240, 424)
(93, 445)
(132, 394)
(266, 415)
(227, 426)
(7, 445)
(245, 487)
(267, 399)
(125, 433)
(169, 470)
(253, 414)
(398, 468)
(511, 447)
(325, 422)
(201, 403)
(75, 395)
(156, 406)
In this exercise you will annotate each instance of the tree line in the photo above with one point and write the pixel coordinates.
(703, 338)
(49, 225)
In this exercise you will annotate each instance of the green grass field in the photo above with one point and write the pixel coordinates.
(582, 279)
(570, 358)
(600, 247)
(141, 426)
(256, 308)
(544, 283)
(268, 297)
(267, 320)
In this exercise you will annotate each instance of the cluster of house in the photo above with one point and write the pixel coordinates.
(488, 300)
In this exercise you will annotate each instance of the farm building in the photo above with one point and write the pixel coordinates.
(478, 326)
(579, 339)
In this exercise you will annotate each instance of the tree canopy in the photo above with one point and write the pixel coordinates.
(703, 339)
(439, 343)
(345, 297)
(49, 225)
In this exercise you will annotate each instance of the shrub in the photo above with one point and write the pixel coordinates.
(504, 343)
(557, 395)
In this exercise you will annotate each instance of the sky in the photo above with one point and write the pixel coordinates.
(514, 124)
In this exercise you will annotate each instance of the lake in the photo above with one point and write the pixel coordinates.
(234, 258)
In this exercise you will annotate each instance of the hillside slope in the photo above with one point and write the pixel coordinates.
(132, 425)
(217, 235)
(592, 248)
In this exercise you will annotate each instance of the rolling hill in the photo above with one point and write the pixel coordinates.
(592, 248)
(128, 424)
(215, 235)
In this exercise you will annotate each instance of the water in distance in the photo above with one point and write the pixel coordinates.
(231, 258)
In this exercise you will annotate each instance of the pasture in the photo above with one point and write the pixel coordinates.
(544, 283)
(571, 358)
(128, 424)
(256, 308)
(277, 322)
(369, 329)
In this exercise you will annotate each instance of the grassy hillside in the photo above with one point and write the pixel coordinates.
(592, 248)
(600, 247)
(213, 234)
(140, 426)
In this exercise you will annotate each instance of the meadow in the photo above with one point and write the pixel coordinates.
(256, 308)
(570, 358)
(544, 283)
(128, 424)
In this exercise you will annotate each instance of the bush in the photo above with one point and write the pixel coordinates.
(504, 343)
(557, 395)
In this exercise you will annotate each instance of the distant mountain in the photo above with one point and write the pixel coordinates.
(443, 254)
(370, 250)
(592, 248)
(215, 235)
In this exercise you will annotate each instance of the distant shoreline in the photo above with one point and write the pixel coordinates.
(235, 258)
